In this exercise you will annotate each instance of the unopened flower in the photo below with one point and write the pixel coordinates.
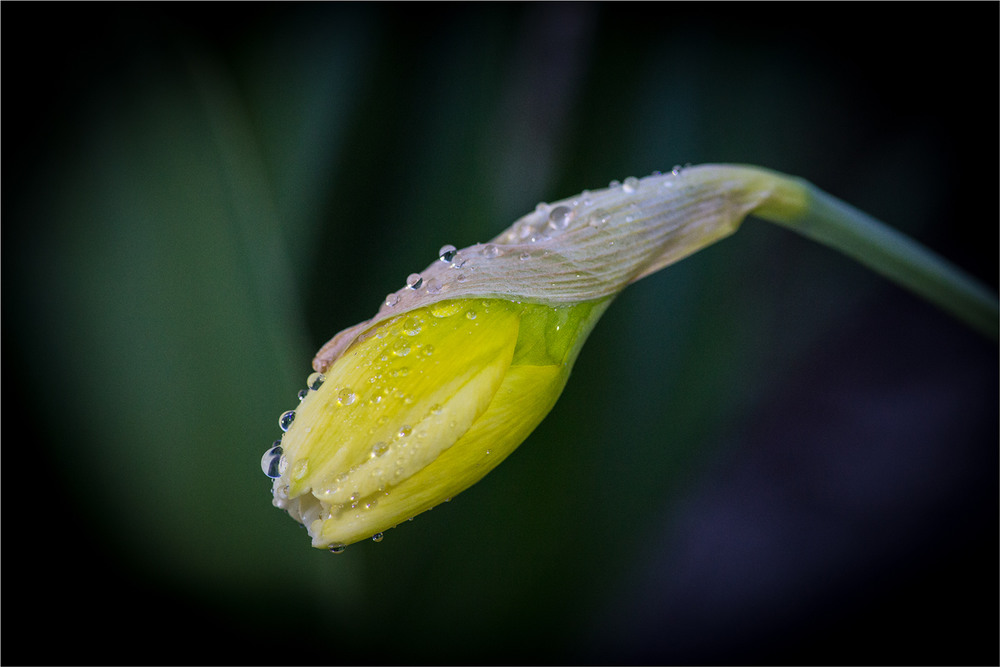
(411, 407)
(421, 407)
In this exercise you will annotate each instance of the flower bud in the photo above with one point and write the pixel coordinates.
(414, 406)
(420, 408)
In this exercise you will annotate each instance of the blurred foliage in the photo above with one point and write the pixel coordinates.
(766, 453)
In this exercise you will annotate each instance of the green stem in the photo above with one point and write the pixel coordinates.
(839, 225)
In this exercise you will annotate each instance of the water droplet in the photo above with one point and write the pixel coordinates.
(377, 537)
(559, 217)
(391, 300)
(614, 184)
(676, 171)
(411, 327)
(471, 314)
(427, 350)
(269, 462)
(303, 393)
(401, 348)
(490, 250)
(541, 207)
(286, 419)
(346, 396)
(445, 308)
(461, 278)
(414, 281)
(405, 430)
(631, 184)
(315, 381)
(379, 448)
(447, 253)
(299, 469)
(524, 255)
(433, 286)
(599, 218)
(337, 548)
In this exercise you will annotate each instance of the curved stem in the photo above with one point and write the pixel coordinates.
(839, 225)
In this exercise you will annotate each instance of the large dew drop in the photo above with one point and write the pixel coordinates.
(559, 217)
(447, 253)
(315, 381)
(346, 396)
(271, 461)
(286, 419)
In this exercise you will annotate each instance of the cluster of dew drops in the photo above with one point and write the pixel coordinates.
(558, 218)
(274, 463)
(547, 220)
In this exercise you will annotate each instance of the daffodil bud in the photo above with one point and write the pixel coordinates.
(455, 370)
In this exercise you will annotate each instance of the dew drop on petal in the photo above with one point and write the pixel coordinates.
(559, 217)
(299, 469)
(599, 218)
(377, 537)
(631, 184)
(303, 393)
(445, 308)
(346, 396)
(286, 419)
(490, 250)
(414, 281)
(411, 327)
(432, 286)
(471, 314)
(391, 300)
(315, 381)
(269, 463)
(337, 548)
(447, 253)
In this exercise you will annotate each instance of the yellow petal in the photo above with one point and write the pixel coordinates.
(525, 397)
(421, 407)
(405, 392)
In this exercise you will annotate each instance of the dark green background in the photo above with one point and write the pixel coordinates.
(766, 453)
